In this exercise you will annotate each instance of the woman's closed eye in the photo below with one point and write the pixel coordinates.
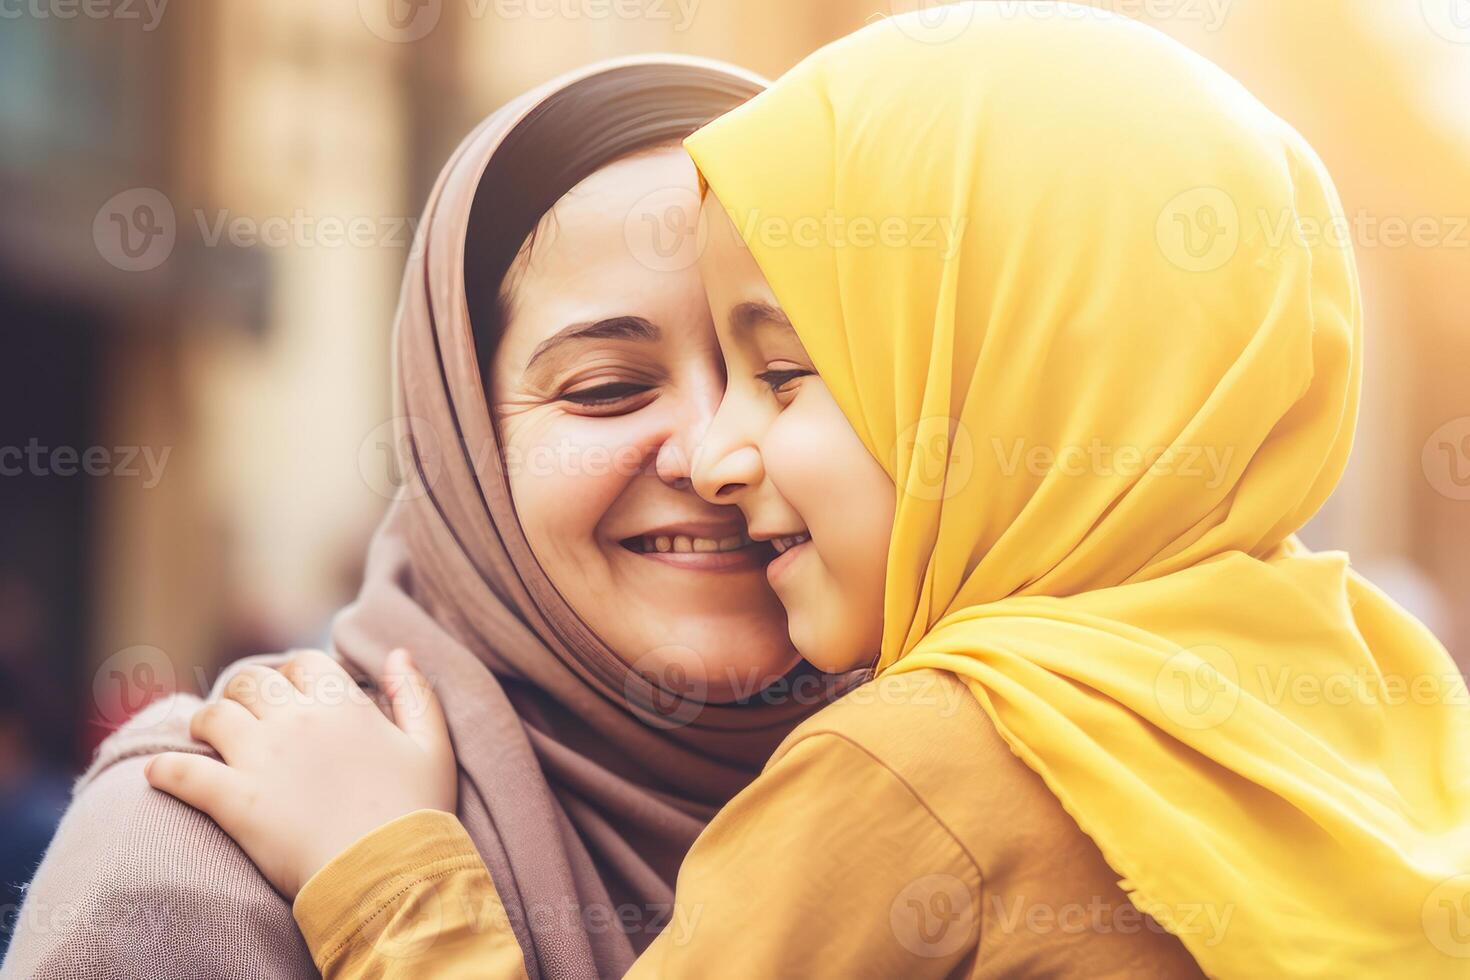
(609, 398)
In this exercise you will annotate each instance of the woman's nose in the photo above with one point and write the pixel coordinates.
(674, 461)
(672, 465)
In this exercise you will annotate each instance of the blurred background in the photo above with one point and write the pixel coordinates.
(205, 209)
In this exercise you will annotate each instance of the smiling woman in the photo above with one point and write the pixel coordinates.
(604, 374)
(601, 637)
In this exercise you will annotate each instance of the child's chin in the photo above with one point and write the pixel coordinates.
(823, 655)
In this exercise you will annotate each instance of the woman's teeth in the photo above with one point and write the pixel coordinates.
(785, 544)
(684, 544)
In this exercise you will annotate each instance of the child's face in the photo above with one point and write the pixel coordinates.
(781, 450)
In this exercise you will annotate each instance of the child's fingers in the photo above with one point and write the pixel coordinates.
(308, 668)
(205, 784)
(224, 725)
(416, 708)
(260, 689)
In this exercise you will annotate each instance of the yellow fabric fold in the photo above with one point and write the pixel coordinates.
(410, 899)
(1080, 293)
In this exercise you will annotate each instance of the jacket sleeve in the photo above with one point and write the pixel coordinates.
(827, 865)
(137, 885)
(411, 899)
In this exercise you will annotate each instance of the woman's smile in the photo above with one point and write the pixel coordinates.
(700, 546)
(656, 572)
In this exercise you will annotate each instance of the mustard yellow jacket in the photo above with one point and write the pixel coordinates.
(861, 851)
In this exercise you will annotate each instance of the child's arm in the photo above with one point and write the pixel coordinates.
(412, 899)
(826, 866)
(310, 766)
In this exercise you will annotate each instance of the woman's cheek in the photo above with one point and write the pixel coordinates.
(565, 475)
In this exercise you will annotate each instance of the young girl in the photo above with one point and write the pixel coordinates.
(1049, 465)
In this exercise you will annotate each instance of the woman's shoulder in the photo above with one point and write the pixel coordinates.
(136, 883)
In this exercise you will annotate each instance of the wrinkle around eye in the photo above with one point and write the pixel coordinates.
(524, 419)
(516, 404)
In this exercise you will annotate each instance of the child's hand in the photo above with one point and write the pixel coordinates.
(310, 762)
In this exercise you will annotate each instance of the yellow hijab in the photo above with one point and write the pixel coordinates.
(1061, 275)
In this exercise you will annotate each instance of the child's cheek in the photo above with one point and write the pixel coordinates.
(802, 457)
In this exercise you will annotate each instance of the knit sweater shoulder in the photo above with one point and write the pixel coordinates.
(136, 884)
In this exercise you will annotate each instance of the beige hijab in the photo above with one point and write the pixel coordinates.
(582, 785)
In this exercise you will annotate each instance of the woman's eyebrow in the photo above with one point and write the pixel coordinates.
(746, 316)
(612, 328)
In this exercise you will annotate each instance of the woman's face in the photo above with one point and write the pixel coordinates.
(783, 452)
(606, 377)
